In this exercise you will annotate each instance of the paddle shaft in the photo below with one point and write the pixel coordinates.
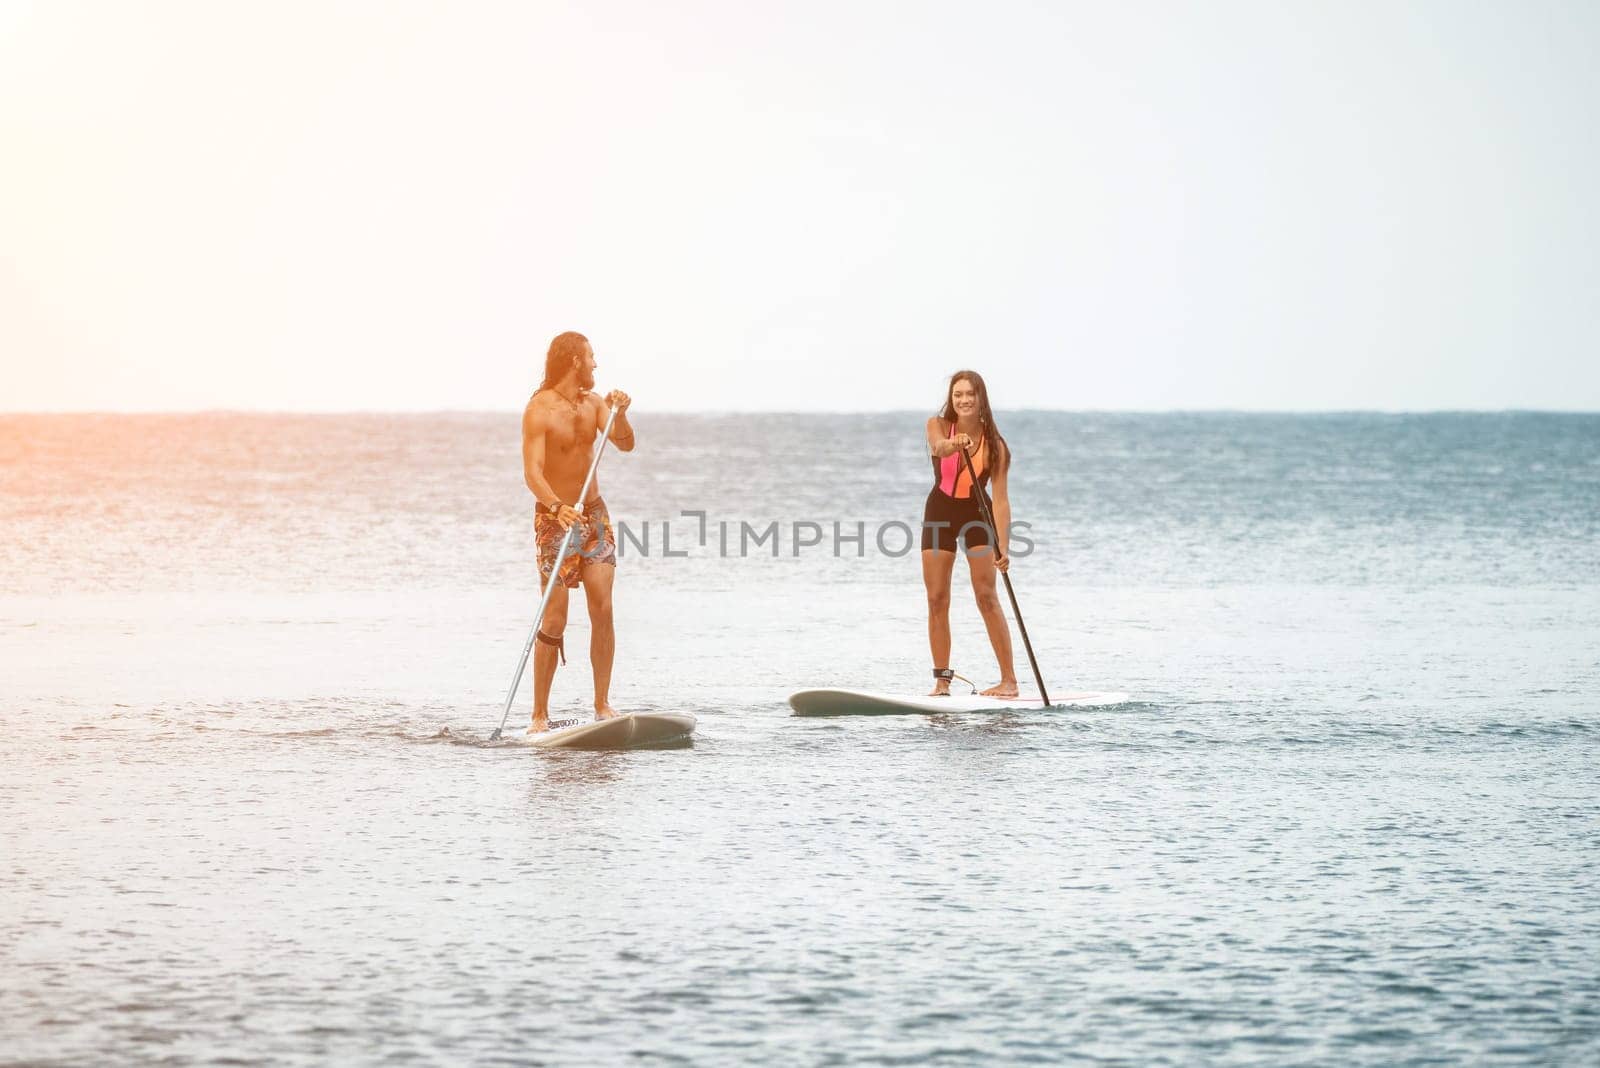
(555, 575)
(999, 538)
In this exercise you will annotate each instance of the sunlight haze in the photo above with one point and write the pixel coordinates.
(799, 207)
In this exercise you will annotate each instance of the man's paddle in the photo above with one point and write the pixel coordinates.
(555, 575)
(999, 539)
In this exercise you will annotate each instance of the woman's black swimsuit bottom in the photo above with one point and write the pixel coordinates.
(947, 520)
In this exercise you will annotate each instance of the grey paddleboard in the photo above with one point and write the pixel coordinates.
(868, 703)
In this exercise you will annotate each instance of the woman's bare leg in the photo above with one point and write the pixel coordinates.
(937, 567)
(981, 563)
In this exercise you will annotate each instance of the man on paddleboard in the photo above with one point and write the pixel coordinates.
(559, 427)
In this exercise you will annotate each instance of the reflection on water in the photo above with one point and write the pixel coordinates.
(579, 768)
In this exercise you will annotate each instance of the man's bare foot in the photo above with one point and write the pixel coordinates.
(604, 711)
(941, 689)
(1003, 688)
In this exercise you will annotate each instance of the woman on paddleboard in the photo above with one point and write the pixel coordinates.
(953, 515)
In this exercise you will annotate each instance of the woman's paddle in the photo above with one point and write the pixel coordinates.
(555, 576)
(999, 538)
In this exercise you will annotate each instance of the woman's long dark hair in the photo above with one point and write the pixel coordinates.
(991, 434)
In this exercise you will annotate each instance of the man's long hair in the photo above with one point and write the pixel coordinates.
(562, 357)
(991, 434)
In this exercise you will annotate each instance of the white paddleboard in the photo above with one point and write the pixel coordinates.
(865, 703)
(636, 730)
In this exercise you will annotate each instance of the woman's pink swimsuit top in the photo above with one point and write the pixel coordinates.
(951, 471)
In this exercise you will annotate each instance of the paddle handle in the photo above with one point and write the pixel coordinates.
(555, 573)
(1016, 610)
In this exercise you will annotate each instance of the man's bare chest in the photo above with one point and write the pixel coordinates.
(569, 430)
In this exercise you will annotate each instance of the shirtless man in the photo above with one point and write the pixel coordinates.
(558, 431)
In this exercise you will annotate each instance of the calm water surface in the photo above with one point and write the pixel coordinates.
(1352, 817)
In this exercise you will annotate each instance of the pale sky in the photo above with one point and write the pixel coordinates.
(808, 206)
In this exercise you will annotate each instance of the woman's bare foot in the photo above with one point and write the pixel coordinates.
(540, 723)
(604, 711)
(1003, 688)
(941, 688)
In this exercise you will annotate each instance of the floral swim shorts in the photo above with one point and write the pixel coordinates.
(596, 543)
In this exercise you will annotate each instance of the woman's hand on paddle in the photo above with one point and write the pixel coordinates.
(963, 441)
(1002, 562)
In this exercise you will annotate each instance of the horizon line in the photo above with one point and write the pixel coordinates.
(334, 412)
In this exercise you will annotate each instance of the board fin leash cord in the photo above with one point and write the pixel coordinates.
(555, 574)
(988, 517)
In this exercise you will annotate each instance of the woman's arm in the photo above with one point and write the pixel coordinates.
(940, 445)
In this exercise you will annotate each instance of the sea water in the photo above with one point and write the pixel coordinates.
(249, 665)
